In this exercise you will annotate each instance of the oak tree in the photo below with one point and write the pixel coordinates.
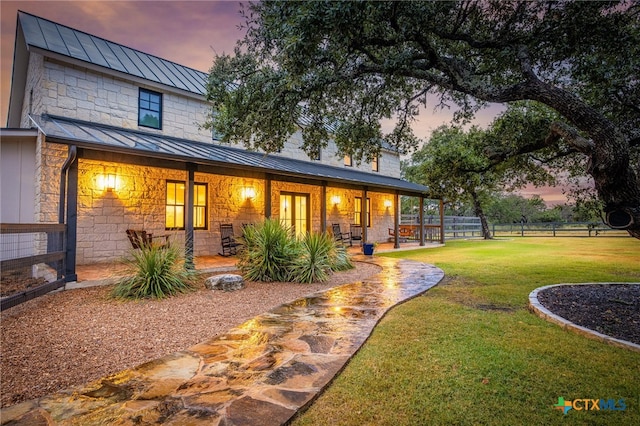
(338, 68)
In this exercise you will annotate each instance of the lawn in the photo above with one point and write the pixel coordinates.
(469, 352)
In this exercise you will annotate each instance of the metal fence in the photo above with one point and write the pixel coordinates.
(31, 261)
(556, 229)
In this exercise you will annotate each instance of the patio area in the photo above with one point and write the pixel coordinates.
(105, 273)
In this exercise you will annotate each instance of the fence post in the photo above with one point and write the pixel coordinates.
(553, 228)
(522, 229)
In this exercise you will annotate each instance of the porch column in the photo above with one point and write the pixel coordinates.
(441, 208)
(421, 221)
(323, 207)
(188, 219)
(267, 196)
(396, 221)
(72, 222)
(364, 215)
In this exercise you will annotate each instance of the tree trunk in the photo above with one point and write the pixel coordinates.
(615, 180)
(477, 207)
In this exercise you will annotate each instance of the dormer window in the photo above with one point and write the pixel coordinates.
(348, 161)
(375, 165)
(150, 109)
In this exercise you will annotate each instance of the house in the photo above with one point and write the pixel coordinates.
(105, 138)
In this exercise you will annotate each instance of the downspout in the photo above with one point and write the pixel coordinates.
(73, 154)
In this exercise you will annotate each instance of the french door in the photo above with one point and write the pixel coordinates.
(294, 212)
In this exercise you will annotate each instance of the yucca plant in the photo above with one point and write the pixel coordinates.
(314, 264)
(269, 249)
(154, 272)
(340, 259)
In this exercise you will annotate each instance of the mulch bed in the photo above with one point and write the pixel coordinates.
(611, 309)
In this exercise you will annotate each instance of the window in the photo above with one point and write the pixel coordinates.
(348, 161)
(357, 214)
(374, 164)
(150, 109)
(175, 203)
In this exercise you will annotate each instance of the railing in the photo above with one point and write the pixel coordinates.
(556, 229)
(31, 261)
(454, 226)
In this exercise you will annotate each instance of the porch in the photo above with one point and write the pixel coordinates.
(105, 273)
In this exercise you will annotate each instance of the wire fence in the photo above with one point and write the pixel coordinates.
(31, 261)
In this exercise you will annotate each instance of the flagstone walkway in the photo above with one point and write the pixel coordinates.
(262, 372)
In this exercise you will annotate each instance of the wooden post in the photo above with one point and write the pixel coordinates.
(72, 222)
(441, 208)
(188, 218)
(267, 197)
(421, 220)
(364, 215)
(396, 221)
(323, 207)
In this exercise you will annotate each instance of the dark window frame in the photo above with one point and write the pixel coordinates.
(206, 206)
(357, 215)
(142, 107)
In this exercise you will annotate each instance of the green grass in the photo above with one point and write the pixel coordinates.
(469, 352)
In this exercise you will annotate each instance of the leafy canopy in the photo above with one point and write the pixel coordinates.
(336, 69)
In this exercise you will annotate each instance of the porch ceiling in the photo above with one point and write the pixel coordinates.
(115, 139)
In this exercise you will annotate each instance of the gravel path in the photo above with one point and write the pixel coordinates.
(72, 337)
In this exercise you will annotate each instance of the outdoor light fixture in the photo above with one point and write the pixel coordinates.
(335, 200)
(110, 182)
(106, 182)
(248, 193)
(388, 203)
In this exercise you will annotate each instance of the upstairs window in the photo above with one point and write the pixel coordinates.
(348, 161)
(375, 164)
(150, 109)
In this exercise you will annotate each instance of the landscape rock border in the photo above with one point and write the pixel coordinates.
(539, 309)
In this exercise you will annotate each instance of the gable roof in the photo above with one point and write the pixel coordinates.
(53, 37)
(106, 138)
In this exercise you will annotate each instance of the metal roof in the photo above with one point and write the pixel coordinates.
(115, 139)
(57, 38)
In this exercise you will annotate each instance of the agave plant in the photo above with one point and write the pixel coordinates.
(314, 264)
(154, 272)
(340, 259)
(269, 249)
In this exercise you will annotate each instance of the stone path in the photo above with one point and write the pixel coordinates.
(262, 372)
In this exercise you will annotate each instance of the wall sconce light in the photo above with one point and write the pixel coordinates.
(248, 193)
(110, 183)
(107, 182)
(388, 203)
(335, 200)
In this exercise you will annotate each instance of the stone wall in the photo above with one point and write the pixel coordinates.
(138, 202)
(80, 93)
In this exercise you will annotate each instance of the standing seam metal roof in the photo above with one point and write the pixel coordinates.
(109, 138)
(57, 38)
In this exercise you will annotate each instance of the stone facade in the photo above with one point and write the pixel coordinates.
(70, 90)
(138, 202)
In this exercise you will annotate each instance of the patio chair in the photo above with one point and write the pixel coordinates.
(140, 239)
(228, 240)
(356, 233)
(340, 237)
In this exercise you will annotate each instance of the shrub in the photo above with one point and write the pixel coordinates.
(269, 250)
(314, 264)
(340, 259)
(154, 273)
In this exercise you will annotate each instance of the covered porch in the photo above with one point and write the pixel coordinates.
(115, 179)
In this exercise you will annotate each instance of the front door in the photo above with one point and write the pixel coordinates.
(294, 212)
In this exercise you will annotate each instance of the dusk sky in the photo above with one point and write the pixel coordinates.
(186, 32)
